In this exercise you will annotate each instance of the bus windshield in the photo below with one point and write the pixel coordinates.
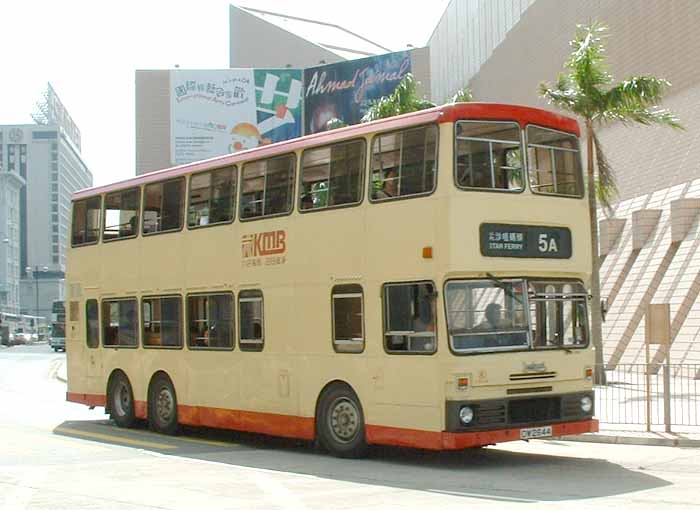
(58, 330)
(504, 315)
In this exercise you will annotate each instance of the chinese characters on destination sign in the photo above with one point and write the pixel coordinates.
(264, 248)
(503, 240)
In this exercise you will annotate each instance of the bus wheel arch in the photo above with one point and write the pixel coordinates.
(340, 425)
(120, 399)
(162, 404)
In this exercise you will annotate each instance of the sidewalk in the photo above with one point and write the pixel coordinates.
(681, 439)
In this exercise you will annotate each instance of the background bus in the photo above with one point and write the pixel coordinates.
(57, 333)
(417, 281)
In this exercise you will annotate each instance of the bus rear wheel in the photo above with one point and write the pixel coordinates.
(340, 423)
(162, 406)
(121, 401)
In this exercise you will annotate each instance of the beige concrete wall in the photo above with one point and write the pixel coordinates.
(256, 43)
(658, 37)
(152, 117)
(420, 67)
(465, 38)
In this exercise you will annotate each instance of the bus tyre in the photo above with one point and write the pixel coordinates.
(162, 406)
(340, 424)
(121, 401)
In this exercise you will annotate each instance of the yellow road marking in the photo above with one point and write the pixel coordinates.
(191, 439)
(204, 441)
(116, 439)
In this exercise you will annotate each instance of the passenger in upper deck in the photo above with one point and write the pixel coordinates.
(389, 186)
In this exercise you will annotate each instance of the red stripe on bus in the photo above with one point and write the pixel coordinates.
(87, 399)
(140, 409)
(248, 421)
(377, 434)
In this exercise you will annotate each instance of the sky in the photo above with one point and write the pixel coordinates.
(89, 51)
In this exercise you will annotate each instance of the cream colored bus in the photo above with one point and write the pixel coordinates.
(417, 281)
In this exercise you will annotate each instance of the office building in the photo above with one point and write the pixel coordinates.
(45, 163)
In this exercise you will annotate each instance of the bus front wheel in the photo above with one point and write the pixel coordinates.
(121, 401)
(162, 405)
(340, 423)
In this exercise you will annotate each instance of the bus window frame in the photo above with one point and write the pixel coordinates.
(295, 158)
(523, 151)
(245, 299)
(87, 324)
(334, 341)
(580, 161)
(104, 215)
(363, 173)
(383, 321)
(370, 155)
(183, 214)
(142, 323)
(234, 198)
(233, 315)
(99, 222)
(137, 344)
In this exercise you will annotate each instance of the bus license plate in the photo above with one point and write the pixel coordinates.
(535, 432)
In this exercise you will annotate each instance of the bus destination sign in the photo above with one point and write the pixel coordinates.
(525, 241)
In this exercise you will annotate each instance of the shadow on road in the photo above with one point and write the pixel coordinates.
(488, 473)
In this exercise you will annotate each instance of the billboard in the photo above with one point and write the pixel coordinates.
(344, 90)
(216, 112)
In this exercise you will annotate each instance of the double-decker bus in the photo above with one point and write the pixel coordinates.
(417, 281)
(57, 333)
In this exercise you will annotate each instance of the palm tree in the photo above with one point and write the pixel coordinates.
(403, 99)
(463, 95)
(586, 89)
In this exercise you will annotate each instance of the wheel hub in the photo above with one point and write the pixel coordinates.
(164, 405)
(344, 419)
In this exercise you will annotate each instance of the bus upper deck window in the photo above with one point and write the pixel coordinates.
(554, 163)
(267, 187)
(404, 163)
(86, 221)
(212, 196)
(332, 176)
(488, 156)
(121, 216)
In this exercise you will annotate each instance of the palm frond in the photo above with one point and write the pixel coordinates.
(644, 116)
(606, 189)
(587, 61)
(463, 95)
(636, 92)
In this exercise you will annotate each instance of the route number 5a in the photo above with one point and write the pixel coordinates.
(546, 244)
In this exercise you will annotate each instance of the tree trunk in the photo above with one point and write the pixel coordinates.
(596, 313)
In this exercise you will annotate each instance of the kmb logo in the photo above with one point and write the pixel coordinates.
(264, 243)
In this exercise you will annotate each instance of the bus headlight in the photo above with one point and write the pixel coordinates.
(586, 404)
(466, 415)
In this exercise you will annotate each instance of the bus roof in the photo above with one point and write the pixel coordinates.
(447, 113)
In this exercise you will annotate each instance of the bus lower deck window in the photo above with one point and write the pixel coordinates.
(210, 321)
(409, 318)
(251, 319)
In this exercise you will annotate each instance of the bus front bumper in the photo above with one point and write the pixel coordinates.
(428, 440)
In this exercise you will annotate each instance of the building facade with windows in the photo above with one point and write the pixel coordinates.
(46, 167)
(11, 187)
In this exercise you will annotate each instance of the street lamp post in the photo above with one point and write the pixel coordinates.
(35, 274)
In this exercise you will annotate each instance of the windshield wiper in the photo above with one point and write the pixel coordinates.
(507, 288)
